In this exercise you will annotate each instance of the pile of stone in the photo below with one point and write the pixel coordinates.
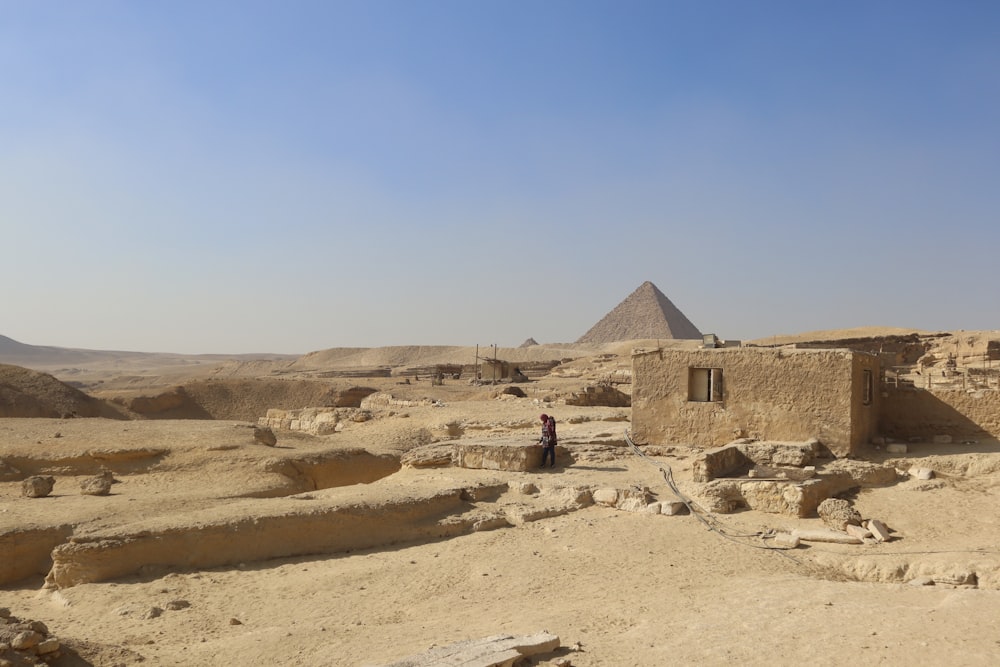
(317, 421)
(25, 642)
(845, 525)
(779, 478)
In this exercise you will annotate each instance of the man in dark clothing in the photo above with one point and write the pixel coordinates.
(548, 440)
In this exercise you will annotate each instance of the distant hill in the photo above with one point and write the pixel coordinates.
(47, 357)
(28, 393)
(645, 313)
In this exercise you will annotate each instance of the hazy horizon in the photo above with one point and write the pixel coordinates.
(247, 177)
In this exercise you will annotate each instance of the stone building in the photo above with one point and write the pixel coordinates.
(712, 396)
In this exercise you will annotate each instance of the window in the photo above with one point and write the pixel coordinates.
(869, 387)
(705, 385)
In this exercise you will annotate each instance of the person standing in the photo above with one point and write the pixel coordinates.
(548, 440)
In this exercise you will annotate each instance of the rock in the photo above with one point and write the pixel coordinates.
(524, 488)
(25, 640)
(152, 612)
(673, 508)
(175, 605)
(838, 514)
(37, 486)
(235, 621)
(921, 581)
(264, 435)
(606, 497)
(486, 652)
(786, 541)
(46, 646)
(857, 531)
(896, 448)
(820, 535)
(921, 473)
(878, 530)
(96, 486)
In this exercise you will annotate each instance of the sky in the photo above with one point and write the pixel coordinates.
(240, 176)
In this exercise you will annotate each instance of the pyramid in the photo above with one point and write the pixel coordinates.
(645, 313)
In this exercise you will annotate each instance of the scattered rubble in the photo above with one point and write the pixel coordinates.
(25, 642)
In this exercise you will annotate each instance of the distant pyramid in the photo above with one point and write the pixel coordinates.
(645, 313)
(531, 342)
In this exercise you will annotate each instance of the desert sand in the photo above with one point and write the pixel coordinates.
(617, 587)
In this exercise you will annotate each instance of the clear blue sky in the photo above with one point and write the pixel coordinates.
(206, 176)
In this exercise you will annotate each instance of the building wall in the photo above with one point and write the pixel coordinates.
(775, 394)
(910, 412)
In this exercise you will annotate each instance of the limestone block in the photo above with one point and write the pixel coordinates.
(786, 541)
(718, 462)
(820, 535)
(495, 651)
(652, 508)
(857, 531)
(632, 504)
(50, 645)
(879, 530)
(921, 473)
(606, 497)
(896, 448)
(513, 458)
(780, 453)
(633, 499)
(673, 508)
(25, 640)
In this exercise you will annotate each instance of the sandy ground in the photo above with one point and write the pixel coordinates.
(618, 588)
(628, 588)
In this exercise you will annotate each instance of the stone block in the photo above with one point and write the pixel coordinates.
(673, 508)
(896, 448)
(606, 497)
(719, 462)
(786, 541)
(921, 473)
(821, 535)
(858, 531)
(878, 530)
(513, 458)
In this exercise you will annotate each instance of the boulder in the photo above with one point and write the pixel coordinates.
(838, 513)
(264, 435)
(37, 486)
(96, 486)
